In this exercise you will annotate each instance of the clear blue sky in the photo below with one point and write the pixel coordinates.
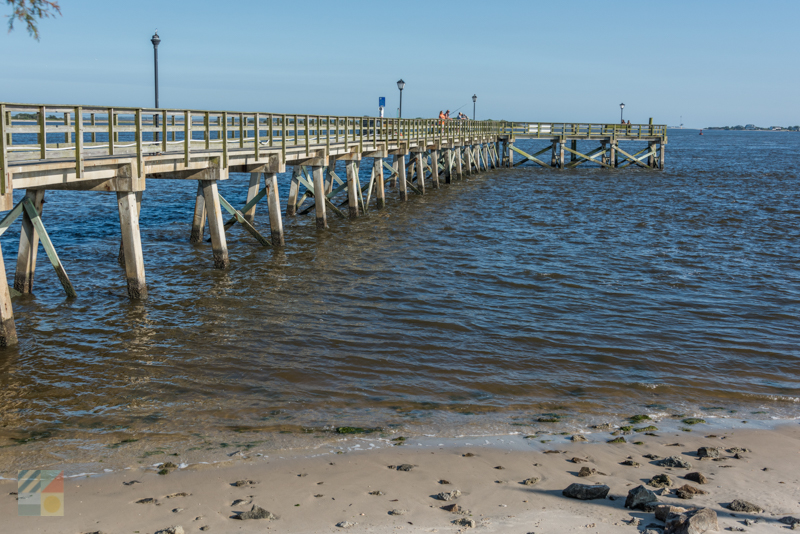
(713, 62)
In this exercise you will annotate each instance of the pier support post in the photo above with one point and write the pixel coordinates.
(199, 219)
(319, 195)
(613, 154)
(651, 159)
(553, 157)
(294, 188)
(274, 204)
(459, 164)
(380, 188)
(435, 168)
(561, 154)
(448, 178)
(400, 170)
(353, 188)
(604, 157)
(216, 228)
(132, 244)
(28, 245)
(331, 172)
(252, 191)
(8, 330)
(510, 161)
(487, 158)
(661, 159)
(420, 172)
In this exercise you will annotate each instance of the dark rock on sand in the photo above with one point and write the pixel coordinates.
(377, 492)
(240, 483)
(688, 492)
(147, 500)
(239, 502)
(530, 481)
(256, 512)
(499, 467)
(631, 463)
(132, 482)
(586, 492)
(468, 455)
(405, 467)
(791, 521)
(398, 512)
(464, 522)
(639, 497)
(171, 530)
(708, 452)
(577, 460)
(692, 522)
(660, 481)
(663, 511)
(587, 471)
(675, 461)
(345, 524)
(578, 437)
(737, 450)
(448, 495)
(700, 478)
(743, 506)
(620, 439)
(652, 456)
(443, 481)
(454, 508)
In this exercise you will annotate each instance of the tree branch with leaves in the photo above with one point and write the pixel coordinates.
(29, 12)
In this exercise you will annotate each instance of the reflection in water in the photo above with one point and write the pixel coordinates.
(487, 303)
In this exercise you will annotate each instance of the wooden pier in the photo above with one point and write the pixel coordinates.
(89, 148)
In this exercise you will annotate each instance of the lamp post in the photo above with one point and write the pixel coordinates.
(155, 40)
(621, 107)
(474, 99)
(400, 85)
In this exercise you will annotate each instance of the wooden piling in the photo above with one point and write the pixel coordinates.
(294, 188)
(319, 196)
(274, 205)
(28, 245)
(252, 191)
(331, 172)
(435, 168)
(420, 171)
(353, 187)
(199, 218)
(400, 170)
(132, 243)
(8, 330)
(459, 164)
(449, 157)
(380, 188)
(561, 154)
(219, 245)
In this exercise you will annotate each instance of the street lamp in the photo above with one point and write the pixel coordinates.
(156, 40)
(621, 107)
(400, 85)
(474, 99)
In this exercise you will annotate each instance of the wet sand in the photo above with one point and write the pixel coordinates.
(314, 491)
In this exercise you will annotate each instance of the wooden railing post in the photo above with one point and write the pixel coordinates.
(111, 132)
(139, 136)
(3, 155)
(187, 136)
(225, 140)
(42, 134)
(164, 131)
(79, 142)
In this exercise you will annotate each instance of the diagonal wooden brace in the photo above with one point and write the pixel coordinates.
(240, 218)
(633, 159)
(30, 209)
(585, 157)
(529, 157)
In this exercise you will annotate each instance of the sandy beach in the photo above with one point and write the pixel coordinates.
(364, 491)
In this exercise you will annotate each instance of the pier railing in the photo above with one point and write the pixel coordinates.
(34, 132)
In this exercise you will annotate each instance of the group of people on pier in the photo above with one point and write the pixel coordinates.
(445, 115)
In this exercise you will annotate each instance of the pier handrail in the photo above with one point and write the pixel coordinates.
(101, 131)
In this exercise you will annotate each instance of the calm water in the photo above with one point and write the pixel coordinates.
(586, 293)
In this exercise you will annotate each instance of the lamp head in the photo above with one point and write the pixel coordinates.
(401, 84)
(474, 98)
(621, 106)
(155, 39)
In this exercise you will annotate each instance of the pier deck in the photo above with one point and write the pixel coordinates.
(89, 148)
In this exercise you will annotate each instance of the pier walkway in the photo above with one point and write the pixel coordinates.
(89, 148)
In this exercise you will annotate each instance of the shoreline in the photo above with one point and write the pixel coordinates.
(768, 474)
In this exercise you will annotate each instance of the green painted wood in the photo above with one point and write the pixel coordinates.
(10, 217)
